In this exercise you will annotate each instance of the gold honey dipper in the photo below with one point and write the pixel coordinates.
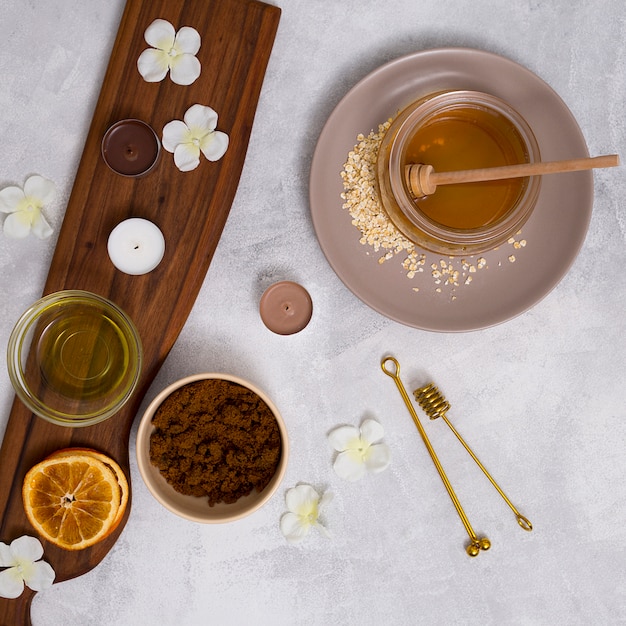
(476, 544)
(435, 405)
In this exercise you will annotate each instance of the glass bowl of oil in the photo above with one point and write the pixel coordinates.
(458, 130)
(74, 358)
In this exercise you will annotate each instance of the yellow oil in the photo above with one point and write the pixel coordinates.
(82, 353)
(466, 137)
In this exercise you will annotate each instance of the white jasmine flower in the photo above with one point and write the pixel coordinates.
(171, 51)
(24, 208)
(22, 560)
(196, 133)
(358, 450)
(304, 504)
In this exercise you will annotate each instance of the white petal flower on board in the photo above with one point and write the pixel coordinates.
(23, 565)
(24, 208)
(171, 51)
(359, 450)
(195, 134)
(304, 505)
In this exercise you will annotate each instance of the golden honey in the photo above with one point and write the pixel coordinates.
(463, 138)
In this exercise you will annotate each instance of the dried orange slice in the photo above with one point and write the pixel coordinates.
(74, 497)
(117, 470)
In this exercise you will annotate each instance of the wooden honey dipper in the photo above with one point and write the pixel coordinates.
(422, 180)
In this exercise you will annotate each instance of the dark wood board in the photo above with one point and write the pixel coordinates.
(190, 208)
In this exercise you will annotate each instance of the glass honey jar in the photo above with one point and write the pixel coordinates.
(458, 130)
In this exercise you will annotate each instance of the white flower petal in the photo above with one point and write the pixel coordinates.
(40, 577)
(187, 40)
(344, 438)
(303, 503)
(292, 527)
(11, 583)
(10, 198)
(186, 157)
(7, 558)
(200, 119)
(174, 133)
(377, 457)
(372, 431)
(40, 188)
(17, 225)
(326, 498)
(302, 499)
(160, 34)
(323, 529)
(349, 465)
(186, 139)
(27, 548)
(184, 69)
(153, 65)
(40, 227)
(214, 145)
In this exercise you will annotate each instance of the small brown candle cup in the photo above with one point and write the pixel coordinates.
(286, 308)
(130, 148)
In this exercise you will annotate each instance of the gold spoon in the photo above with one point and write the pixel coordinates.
(422, 180)
(391, 367)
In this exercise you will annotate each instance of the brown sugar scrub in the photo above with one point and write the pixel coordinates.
(217, 439)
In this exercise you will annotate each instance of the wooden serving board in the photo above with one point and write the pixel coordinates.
(190, 208)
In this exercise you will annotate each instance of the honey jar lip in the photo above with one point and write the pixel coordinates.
(404, 211)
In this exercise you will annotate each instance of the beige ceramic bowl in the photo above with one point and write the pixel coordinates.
(193, 508)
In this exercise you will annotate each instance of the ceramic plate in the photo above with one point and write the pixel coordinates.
(504, 287)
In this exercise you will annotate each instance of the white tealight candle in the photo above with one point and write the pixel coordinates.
(136, 246)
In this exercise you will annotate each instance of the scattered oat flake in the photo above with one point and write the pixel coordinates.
(361, 200)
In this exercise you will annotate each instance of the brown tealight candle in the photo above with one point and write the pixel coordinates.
(286, 307)
(130, 147)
